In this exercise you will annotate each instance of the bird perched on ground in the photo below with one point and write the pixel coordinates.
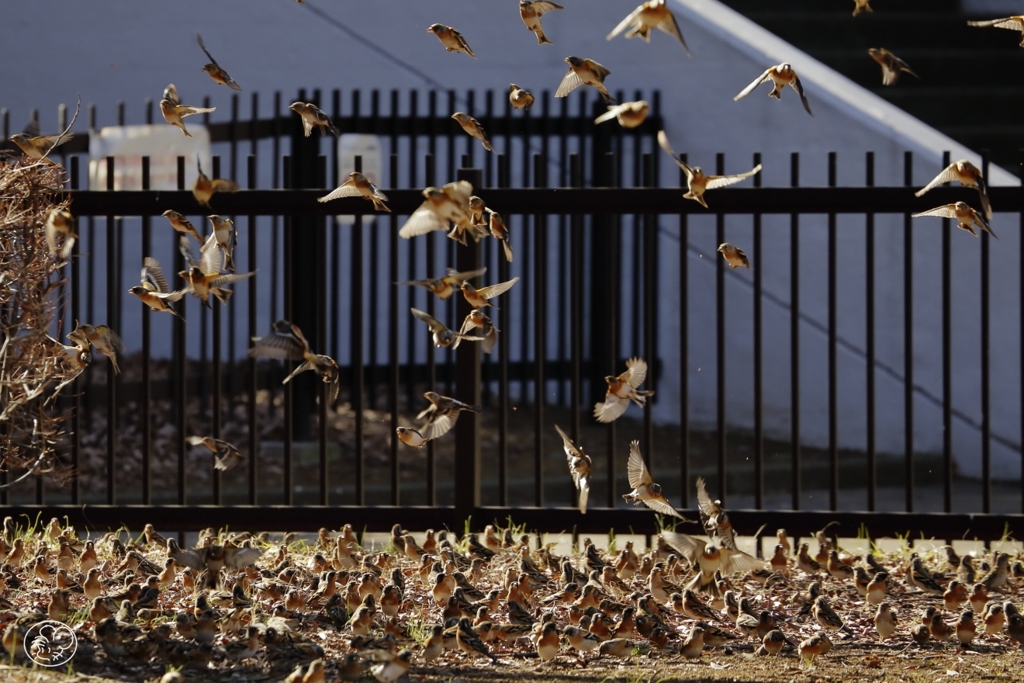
(696, 180)
(219, 75)
(628, 114)
(473, 128)
(174, 111)
(205, 277)
(225, 455)
(519, 98)
(579, 467)
(286, 342)
(827, 617)
(478, 298)
(885, 621)
(623, 389)
(531, 13)
(358, 185)
(393, 669)
(441, 414)
(212, 557)
(968, 175)
(451, 39)
(734, 256)
(965, 216)
(780, 76)
(104, 339)
(443, 337)
(584, 72)
(445, 286)
(441, 206)
(644, 488)
(38, 146)
(60, 222)
(1014, 23)
(654, 14)
(153, 290)
(182, 224)
(861, 6)
(311, 115)
(891, 65)
(203, 188)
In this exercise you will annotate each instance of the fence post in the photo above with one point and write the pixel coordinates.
(467, 386)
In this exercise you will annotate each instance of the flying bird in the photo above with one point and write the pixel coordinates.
(579, 467)
(449, 204)
(644, 488)
(37, 147)
(696, 180)
(780, 76)
(60, 222)
(218, 74)
(968, 175)
(225, 455)
(891, 65)
(443, 337)
(734, 256)
(584, 72)
(531, 13)
(104, 339)
(451, 39)
(205, 278)
(713, 517)
(411, 437)
(861, 6)
(622, 390)
(441, 414)
(204, 188)
(1014, 23)
(312, 116)
(225, 235)
(445, 286)
(153, 289)
(286, 342)
(477, 319)
(182, 224)
(473, 128)
(710, 558)
(174, 111)
(628, 114)
(654, 14)
(964, 215)
(478, 298)
(499, 231)
(358, 185)
(519, 98)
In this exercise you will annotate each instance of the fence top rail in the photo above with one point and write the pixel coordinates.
(566, 201)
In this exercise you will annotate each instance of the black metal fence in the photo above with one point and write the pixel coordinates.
(594, 259)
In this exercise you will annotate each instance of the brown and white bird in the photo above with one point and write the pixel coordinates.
(205, 277)
(174, 111)
(225, 455)
(531, 13)
(891, 65)
(441, 414)
(103, 339)
(204, 188)
(734, 256)
(358, 185)
(710, 559)
(153, 290)
(442, 336)
(215, 71)
(478, 320)
(1014, 23)
(312, 115)
(444, 287)
(286, 342)
(697, 181)
(519, 98)
(653, 14)
(451, 39)
(411, 437)
(714, 518)
(885, 621)
(644, 488)
(584, 72)
(473, 128)
(623, 389)
(499, 231)
(965, 216)
(579, 467)
(60, 222)
(450, 203)
(182, 224)
(780, 76)
(628, 114)
(38, 146)
(861, 6)
(478, 298)
(968, 175)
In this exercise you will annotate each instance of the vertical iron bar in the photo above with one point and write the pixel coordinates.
(794, 335)
(215, 371)
(429, 175)
(324, 404)
(356, 340)
(288, 180)
(833, 418)
(575, 300)
(147, 437)
(112, 264)
(394, 369)
(253, 311)
(180, 360)
(504, 319)
(76, 312)
(986, 356)
(613, 255)
(720, 352)
(684, 350)
(1020, 269)
(758, 357)
(947, 359)
(908, 339)
(650, 311)
(540, 329)
(869, 333)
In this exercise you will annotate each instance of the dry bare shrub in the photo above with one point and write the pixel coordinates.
(33, 366)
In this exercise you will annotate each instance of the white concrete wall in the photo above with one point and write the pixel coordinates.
(110, 50)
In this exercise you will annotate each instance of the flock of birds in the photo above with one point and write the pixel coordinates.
(329, 610)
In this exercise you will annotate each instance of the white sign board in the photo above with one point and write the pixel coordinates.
(351, 145)
(163, 145)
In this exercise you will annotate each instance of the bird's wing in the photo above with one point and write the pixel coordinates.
(612, 112)
(945, 211)
(492, 291)
(691, 548)
(455, 277)
(343, 190)
(199, 39)
(542, 6)
(241, 557)
(612, 408)
(624, 24)
(440, 425)
(211, 258)
(171, 94)
(636, 470)
(704, 502)
(978, 220)
(195, 440)
(460, 191)
(115, 341)
(570, 82)
(584, 486)
(183, 111)
(636, 372)
(225, 185)
(172, 296)
(51, 237)
(185, 249)
(152, 274)
(377, 193)
(799, 87)
(229, 278)
(570, 448)
(304, 367)
(717, 181)
(663, 141)
(600, 71)
(422, 221)
(750, 88)
(54, 140)
(277, 345)
(738, 561)
(1012, 23)
(671, 27)
(430, 320)
(947, 175)
(662, 507)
